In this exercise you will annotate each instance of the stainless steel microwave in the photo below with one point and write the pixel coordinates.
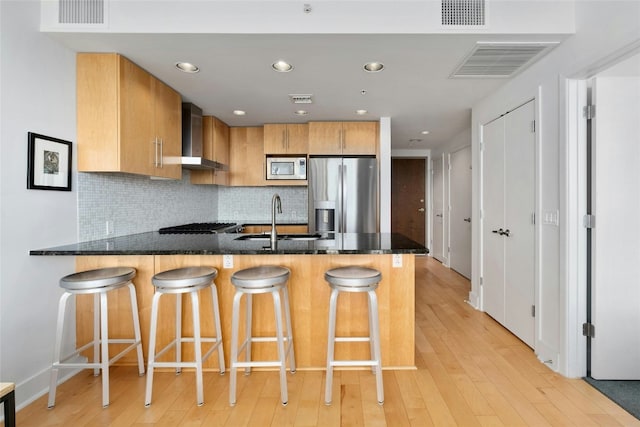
(286, 168)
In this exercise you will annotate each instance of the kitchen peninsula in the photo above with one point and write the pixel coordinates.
(392, 254)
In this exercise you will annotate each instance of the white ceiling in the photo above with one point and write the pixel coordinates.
(414, 89)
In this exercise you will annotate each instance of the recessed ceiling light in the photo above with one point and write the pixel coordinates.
(361, 112)
(187, 67)
(373, 67)
(425, 132)
(301, 112)
(282, 66)
(239, 112)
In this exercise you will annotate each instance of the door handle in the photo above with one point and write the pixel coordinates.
(467, 220)
(506, 232)
(439, 215)
(421, 210)
(499, 231)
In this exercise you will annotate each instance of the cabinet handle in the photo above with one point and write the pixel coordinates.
(155, 152)
(284, 139)
(161, 152)
(421, 210)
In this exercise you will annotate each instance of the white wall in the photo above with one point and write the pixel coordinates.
(37, 94)
(603, 27)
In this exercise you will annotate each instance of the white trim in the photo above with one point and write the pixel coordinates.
(385, 175)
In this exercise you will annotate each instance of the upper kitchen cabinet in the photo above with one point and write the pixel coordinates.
(359, 138)
(127, 120)
(246, 156)
(286, 138)
(215, 146)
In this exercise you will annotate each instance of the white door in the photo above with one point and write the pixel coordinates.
(438, 209)
(460, 225)
(615, 289)
(493, 219)
(508, 230)
(519, 237)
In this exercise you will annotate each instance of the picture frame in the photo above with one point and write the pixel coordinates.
(48, 163)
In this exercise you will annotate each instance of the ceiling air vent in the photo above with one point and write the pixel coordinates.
(301, 99)
(500, 60)
(81, 11)
(463, 13)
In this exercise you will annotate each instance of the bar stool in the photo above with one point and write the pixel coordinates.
(181, 281)
(354, 279)
(97, 282)
(261, 280)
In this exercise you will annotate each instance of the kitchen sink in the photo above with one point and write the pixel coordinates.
(287, 236)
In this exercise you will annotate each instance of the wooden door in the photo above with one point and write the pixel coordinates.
(246, 156)
(137, 131)
(615, 247)
(438, 209)
(408, 198)
(168, 130)
(275, 137)
(359, 138)
(325, 138)
(297, 139)
(460, 201)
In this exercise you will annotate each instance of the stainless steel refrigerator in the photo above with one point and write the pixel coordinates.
(343, 194)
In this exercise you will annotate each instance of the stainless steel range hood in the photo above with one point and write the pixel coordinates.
(192, 141)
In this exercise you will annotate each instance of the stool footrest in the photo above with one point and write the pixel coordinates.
(353, 363)
(189, 340)
(63, 364)
(352, 339)
(258, 364)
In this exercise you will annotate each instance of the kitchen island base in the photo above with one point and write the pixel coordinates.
(309, 294)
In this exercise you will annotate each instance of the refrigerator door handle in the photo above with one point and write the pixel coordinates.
(344, 190)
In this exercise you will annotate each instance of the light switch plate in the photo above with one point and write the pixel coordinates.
(227, 261)
(397, 260)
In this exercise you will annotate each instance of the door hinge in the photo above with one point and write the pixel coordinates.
(589, 221)
(533, 311)
(588, 330)
(589, 111)
(533, 218)
(533, 126)
(481, 281)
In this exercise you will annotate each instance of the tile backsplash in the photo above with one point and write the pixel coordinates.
(253, 204)
(129, 204)
(135, 204)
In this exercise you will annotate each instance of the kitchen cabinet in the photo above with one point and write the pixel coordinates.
(282, 229)
(359, 138)
(246, 156)
(215, 140)
(127, 120)
(286, 138)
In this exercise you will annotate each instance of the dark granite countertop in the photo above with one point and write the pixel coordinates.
(153, 243)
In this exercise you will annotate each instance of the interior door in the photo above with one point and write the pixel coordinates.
(438, 209)
(460, 196)
(519, 237)
(615, 253)
(493, 219)
(408, 198)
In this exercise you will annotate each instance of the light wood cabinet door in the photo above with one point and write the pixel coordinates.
(360, 138)
(286, 138)
(343, 138)
(168, 131)
(325, 138)
(215, 134)
(127, 120)
(246, 156)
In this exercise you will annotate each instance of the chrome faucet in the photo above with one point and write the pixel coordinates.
(275, 203)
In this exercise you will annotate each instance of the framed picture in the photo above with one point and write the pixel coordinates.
(48, 163)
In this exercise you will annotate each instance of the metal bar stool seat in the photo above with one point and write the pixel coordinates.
(261, 280)
(97, 282)
(181, 281)
(354, 279)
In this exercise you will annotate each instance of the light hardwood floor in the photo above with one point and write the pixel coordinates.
(471, 372)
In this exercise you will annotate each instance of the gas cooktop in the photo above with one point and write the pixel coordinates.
(202, 228)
